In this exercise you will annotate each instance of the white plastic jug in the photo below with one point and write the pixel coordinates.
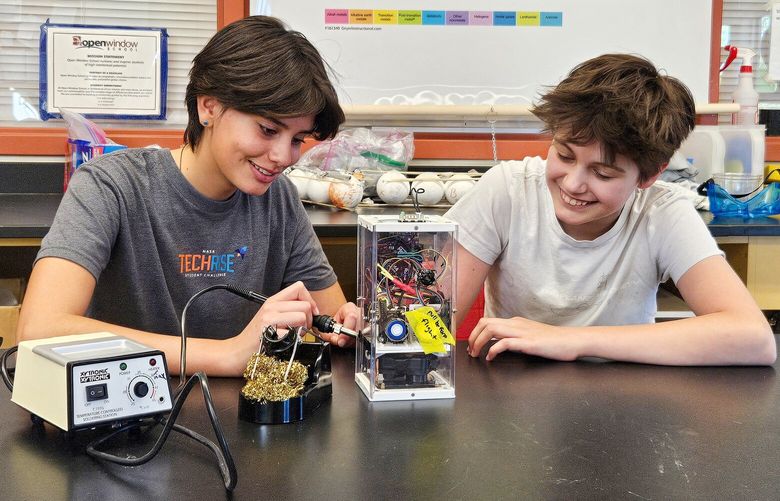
(705, 149)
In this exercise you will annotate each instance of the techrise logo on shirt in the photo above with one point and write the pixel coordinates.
(209, 263)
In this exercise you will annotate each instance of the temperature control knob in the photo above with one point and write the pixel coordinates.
(141, 389)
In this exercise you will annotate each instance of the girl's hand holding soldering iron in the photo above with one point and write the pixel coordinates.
(347, 316)
(292, 306)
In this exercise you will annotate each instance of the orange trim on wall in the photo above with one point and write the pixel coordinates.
(711, 119)
(52, 142)
(479, 146)
(772, 149)
(32, 141)
(231, 10)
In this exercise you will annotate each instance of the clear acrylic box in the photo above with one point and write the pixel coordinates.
(406, 276)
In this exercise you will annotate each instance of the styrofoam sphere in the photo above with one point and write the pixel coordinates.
(301, 181)
(346, 194)
(317, 190)
(392, 187)
(457, 186)
(433, 188)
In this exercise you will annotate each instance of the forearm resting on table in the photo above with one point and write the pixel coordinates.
(712, 339)
(214, 357)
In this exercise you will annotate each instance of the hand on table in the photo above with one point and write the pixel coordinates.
(525, 336)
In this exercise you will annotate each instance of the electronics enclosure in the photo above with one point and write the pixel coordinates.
(387, 369)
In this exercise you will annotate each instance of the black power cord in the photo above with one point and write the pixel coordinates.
(226, 464)
(4, 371)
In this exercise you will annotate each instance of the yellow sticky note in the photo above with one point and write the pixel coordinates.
(430, 329)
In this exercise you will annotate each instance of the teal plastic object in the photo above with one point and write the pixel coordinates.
(764, 203)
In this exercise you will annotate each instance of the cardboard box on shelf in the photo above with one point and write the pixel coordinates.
(11, 292)
(9, 316)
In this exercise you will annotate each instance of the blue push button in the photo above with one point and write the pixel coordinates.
(97, 392)
(396, 330)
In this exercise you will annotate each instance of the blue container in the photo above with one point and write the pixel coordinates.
(764, 203)
(80, 151)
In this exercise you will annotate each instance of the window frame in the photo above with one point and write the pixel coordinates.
(51, 141)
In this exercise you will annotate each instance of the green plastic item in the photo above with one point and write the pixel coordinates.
(382, 159)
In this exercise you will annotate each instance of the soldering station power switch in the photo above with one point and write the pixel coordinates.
(86, 380)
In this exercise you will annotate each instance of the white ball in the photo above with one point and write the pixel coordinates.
(392, 187)
(301, 181)
(457, 186)
(433, 188)
(317, 190)
(346, 194)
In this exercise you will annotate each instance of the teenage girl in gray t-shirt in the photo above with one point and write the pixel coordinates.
(140, 231)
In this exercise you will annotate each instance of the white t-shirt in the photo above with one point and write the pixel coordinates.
(541, 273)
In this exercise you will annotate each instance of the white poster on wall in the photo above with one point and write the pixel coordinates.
(103, 71)
(466, 52)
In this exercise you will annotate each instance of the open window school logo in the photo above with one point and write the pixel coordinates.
(85, 43)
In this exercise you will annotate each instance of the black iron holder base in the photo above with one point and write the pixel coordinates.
(317, 389)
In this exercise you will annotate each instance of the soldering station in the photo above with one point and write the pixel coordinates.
(404, 351)
(86, 380)
(104, 382)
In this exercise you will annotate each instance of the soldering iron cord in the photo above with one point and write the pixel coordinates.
(227, 466)
(4, 371)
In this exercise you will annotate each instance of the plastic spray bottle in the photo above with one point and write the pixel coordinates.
(744, 95)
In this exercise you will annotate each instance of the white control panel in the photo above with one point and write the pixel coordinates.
(118, 389)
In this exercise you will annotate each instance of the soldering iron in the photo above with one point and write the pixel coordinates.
(323, 323)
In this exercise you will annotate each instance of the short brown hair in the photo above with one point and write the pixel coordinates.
(258, 66)
(623, 102)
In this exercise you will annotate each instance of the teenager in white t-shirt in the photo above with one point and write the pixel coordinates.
(571, 249)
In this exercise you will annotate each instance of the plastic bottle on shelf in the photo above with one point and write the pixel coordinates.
(745, 95)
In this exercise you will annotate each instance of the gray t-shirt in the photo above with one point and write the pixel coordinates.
(152, 241)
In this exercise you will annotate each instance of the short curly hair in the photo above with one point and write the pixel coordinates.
(623, 102)
(257, 65)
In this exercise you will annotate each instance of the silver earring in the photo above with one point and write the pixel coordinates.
(205, 123)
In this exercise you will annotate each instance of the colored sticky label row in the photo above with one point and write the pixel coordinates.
(443, 17)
